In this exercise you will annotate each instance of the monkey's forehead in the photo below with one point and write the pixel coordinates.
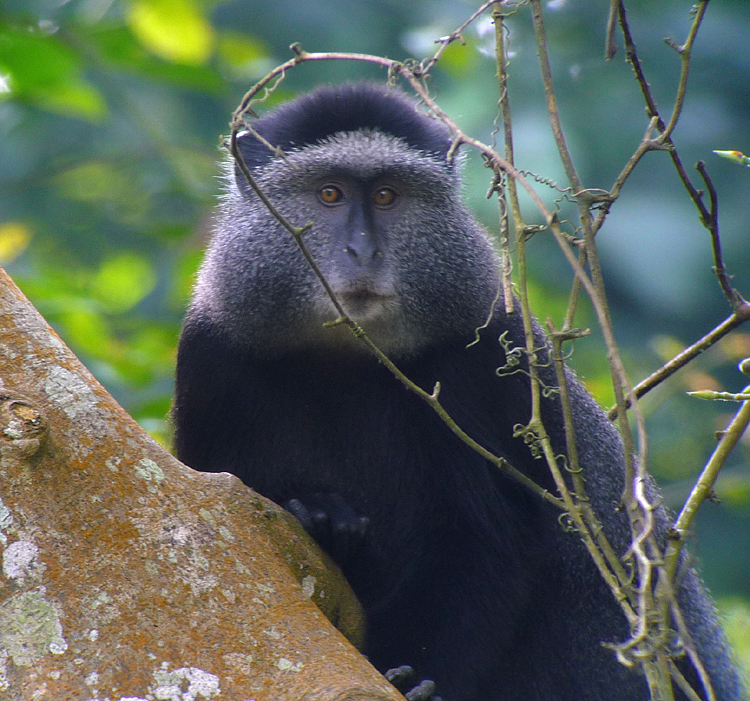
(364, 155)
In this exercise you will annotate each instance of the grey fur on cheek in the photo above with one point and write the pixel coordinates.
(257, 282)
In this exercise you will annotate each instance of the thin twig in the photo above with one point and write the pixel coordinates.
(586, 523)
(685, 52)
(549, 92)
(712, 224)
(683, 683)
(705, 483)
(610, 46)
(700, 492)
(535, 426)
(644, 548)
(455, 35)
(302, 56)
(504, 105)
(683, 358)
(686, 639)
(430, 398)
(632, 58)
(653, 111)
(596, 289)
(708, 216)
(644, 147)
(638, 509)
(578, 478)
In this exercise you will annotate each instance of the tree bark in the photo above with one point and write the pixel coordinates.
(127, 575)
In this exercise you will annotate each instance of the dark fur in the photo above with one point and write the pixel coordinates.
(463, 574)
(328, 110)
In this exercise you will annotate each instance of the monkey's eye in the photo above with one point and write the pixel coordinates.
(330, 194)
(384, 197)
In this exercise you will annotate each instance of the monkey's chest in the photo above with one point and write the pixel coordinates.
(368, 444)
(370, 449)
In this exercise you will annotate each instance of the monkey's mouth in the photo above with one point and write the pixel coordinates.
(364, 303)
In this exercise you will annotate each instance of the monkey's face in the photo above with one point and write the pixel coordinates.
(352, 221)
(388, 232)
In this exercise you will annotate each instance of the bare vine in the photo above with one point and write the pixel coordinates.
(648, 601)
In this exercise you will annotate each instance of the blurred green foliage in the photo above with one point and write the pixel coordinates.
(110, 116)
(42, 70)
(175, 30)
(736, 618)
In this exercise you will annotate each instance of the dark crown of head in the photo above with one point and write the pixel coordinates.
(313, 117)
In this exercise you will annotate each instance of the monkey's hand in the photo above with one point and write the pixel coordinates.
(403, 678)
(332, 522)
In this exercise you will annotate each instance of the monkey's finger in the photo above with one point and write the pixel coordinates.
(398, 675)
(423, 692)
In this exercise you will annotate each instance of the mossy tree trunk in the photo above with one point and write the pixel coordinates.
(126, 574)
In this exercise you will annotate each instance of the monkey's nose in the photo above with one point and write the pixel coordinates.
(377, 253)
(363, 251)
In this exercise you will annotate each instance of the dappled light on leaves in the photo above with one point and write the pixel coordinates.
(42, 70)
(123, 281)
(175, 30)
(14, 238)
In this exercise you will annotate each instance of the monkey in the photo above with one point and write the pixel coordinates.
(463, 573)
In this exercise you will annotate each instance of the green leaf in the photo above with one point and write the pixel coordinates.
(736, 619)
(244, 56)
(172, 29)
(75, 98)
(194, 169)
(460, 59)
(91, 181)
(118, 47)
(734, 490)
(110, 186)
(87, 331)
(14, 239)
(735, 156)
(123, 281)
(35, 61)
(40, 69)
(184, 276)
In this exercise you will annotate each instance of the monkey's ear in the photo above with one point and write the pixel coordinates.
(254, 151)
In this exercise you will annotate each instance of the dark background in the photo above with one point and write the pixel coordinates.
(110, 116)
